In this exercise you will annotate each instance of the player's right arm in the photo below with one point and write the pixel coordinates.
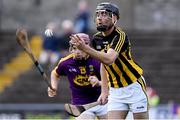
(106, 58)
(55, 77)
(54, 83)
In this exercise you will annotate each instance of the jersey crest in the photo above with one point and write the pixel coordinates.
(82, 80)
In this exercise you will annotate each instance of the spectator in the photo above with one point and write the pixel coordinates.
(50, 52)
(152, 97)
(67, 28)
(81, 23)
(154, 100)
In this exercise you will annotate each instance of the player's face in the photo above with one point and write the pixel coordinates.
(103, 17)
(78, 54)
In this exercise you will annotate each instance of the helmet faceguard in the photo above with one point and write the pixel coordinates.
(109, 10)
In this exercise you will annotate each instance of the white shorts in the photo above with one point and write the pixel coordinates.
(98, 110)
(132, 97)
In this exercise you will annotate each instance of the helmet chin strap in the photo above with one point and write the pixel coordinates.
(104, 28)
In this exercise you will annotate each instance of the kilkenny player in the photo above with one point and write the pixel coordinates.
(127, 85)
(83, 73)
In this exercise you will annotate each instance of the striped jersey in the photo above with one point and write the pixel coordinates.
(78, 72)
(124, 70)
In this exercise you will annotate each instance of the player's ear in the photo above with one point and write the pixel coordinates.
(114, 18)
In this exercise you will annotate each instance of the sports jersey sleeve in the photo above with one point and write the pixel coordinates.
(60, 69)
(118, 41)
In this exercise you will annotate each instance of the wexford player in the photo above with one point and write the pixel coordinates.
(83, 73)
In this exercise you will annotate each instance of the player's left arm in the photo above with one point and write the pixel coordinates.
(94, 81)
(104, 86)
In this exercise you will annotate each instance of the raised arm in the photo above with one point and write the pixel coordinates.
(106, 58)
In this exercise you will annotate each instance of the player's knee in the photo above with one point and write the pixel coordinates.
(142, 115)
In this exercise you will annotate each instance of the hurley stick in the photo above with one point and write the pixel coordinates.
(76, 110)
(22, 39)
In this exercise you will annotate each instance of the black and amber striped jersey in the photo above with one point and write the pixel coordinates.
(124, 70)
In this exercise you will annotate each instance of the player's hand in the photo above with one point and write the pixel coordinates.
(77, 41)
(103, 98)
(48, 32)
(94, 81)
(51, 93)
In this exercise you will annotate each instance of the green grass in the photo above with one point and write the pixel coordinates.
(30, 116)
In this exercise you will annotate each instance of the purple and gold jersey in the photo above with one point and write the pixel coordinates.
(78, 72)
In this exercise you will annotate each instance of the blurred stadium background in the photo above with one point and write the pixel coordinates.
(152, 25)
